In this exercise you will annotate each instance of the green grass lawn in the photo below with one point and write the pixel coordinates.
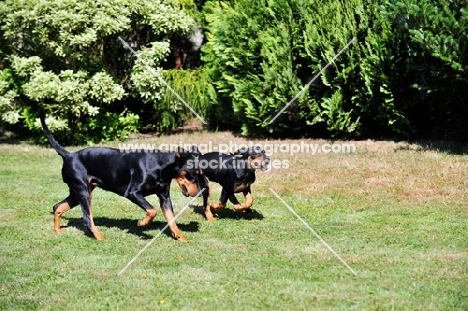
(396, 213)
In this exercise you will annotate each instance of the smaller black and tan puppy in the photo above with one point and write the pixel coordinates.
(133, 175)
(235, 173)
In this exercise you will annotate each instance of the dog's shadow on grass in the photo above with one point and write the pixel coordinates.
(228, 213)
(129, 225)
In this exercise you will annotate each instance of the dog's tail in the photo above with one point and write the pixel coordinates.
(60, 150)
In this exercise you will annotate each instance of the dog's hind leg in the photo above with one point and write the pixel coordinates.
(61, 208)
(82, 192)
(75, 175)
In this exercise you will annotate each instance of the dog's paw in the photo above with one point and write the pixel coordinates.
(150, 214)
(98, 236)
(210, 218)
(180, 237)
(238, 208)
(217, 207)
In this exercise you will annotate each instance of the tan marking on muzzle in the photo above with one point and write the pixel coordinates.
(187, 187)
(257, 162)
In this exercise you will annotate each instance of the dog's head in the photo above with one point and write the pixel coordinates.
(256, 157)
(190, 178)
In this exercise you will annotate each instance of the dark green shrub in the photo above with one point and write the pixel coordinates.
(65, 56)
(261, 53)
(434, 35)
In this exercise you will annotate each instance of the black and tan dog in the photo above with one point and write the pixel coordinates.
(235, 173)
(133, 175)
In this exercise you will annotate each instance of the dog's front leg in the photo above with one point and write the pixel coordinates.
(150, 214)
(222, 201)
(166, 206)
(136, 197)
(245, 207)
(207, 207)
(206, 202)
(233, 199)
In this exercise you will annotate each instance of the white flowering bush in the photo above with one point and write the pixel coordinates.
(64, 57)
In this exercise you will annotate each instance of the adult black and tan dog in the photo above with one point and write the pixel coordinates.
(235, 173)
(133, 175)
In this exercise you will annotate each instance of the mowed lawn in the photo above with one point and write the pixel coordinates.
(396, 213)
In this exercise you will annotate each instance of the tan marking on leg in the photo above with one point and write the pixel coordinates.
(150, 214)
(173, 226)
(208, 214)
(94, 229)
(62, 208)
(218, 207)
(91, 188)
(247, 204)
